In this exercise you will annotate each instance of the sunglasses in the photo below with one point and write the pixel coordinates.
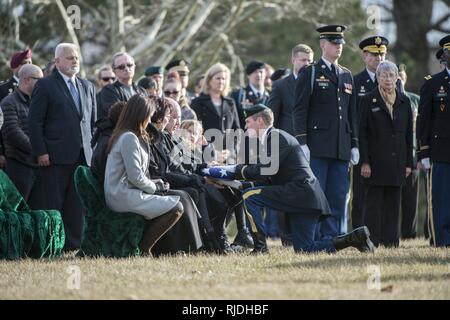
(124, 66)
(108, 78)
(168, 93)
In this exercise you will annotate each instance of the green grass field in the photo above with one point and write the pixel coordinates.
(413, 271)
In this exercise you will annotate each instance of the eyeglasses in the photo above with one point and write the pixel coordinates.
(108, 78)
(168, 93)
(124, 66)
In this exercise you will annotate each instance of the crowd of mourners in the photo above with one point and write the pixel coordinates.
(148, 142)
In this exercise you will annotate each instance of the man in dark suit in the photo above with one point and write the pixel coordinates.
(433, 135)
(61, 119)
(7, 87)
(325, 122)
(281, 100)
(373, 52)
(286, 183)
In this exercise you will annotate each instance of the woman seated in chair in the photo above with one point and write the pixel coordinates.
(128, 186)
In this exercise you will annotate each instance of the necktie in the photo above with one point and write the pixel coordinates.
(375, 80)
(258, 95)
(333, 69)
(74, 93)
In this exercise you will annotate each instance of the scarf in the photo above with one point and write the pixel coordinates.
(388, 98)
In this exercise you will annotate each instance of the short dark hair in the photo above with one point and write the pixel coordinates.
(147, 83)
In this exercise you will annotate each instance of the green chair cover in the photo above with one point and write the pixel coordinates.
(105, 232)
(25, 232)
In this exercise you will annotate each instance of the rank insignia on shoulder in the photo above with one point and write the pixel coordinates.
(428, 77)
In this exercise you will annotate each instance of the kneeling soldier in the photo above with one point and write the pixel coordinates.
(288, 185)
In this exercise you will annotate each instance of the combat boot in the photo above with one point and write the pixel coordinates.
(358, 238)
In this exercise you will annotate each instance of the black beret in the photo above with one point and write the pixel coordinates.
(154, 70)
(252, 110)
(333, 33)
(279, 73)
(253, 66)
(375, 44)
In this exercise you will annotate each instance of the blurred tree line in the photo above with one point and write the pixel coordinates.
(205, 31)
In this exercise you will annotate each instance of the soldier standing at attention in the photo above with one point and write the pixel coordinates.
(433, 134)
(374, 51)
(325, 125)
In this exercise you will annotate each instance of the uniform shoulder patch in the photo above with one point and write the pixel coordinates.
(428, 77)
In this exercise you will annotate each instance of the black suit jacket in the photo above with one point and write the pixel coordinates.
(211, 119)
(281, 102)
(113, 93)
(433, 121)
(291, 181)
(363, 86)
(56, 126)
(386, 142)
(325, 119)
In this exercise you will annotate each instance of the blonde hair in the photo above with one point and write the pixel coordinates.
(185, 126)
(212, 71)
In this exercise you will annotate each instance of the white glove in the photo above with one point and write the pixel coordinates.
(426, 163)
(354, 158)
(235, 184)
(306, 152)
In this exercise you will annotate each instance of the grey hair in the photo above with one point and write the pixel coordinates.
(62, 47)
(386, 65)
(119, 54)
(28, 70)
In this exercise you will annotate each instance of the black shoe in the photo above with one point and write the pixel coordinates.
(243, 239)
(260, 245)
(224, 244)
(358, 238)
(286, 241)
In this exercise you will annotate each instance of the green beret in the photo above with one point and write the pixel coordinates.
(252, 110)
(154, 70)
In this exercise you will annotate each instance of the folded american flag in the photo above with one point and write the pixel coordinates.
(220, 172)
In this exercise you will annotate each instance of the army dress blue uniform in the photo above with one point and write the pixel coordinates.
(433, 134)
(365, 82)
(292, 189)
(324, 118)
